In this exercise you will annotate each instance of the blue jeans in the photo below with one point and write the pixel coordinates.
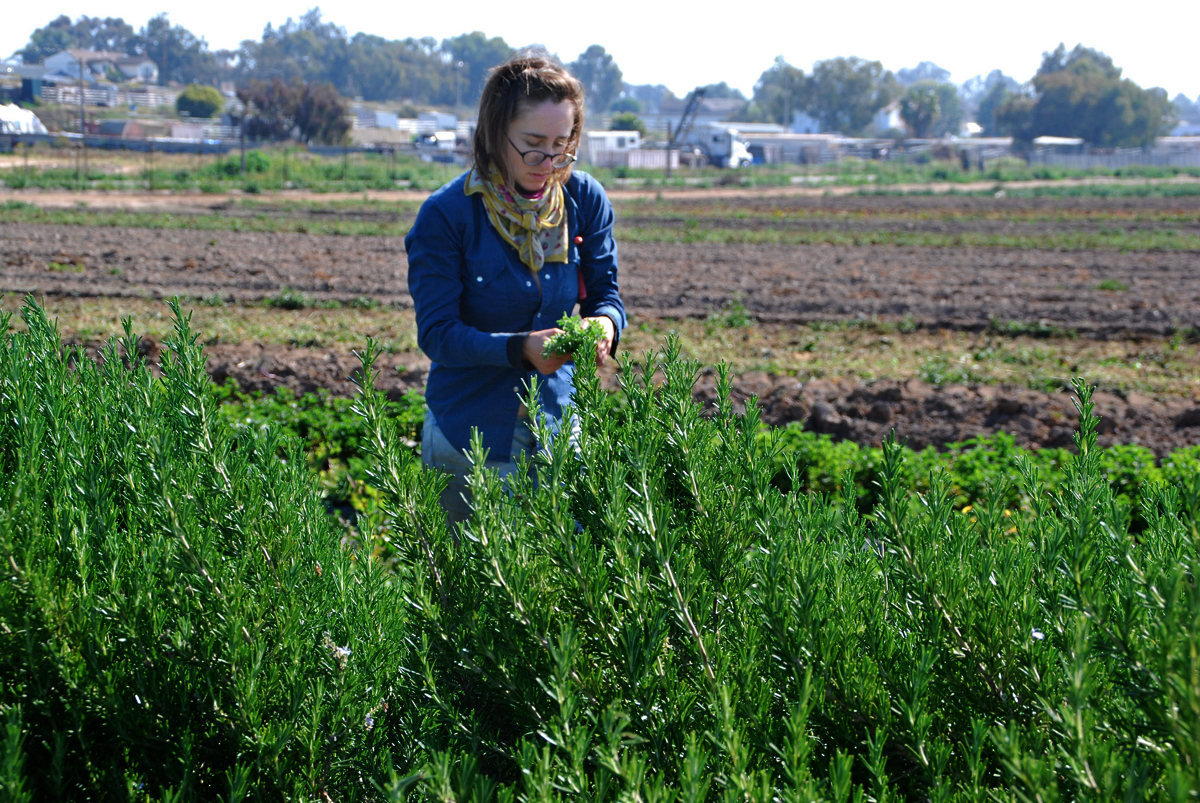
(439, 453)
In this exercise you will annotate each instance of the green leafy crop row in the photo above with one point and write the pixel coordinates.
(332, 436)
(328, 432)
(265, 170)
(973, 468)
(643, 616)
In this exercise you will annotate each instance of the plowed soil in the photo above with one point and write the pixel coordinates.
(933, 287)
(961, 288)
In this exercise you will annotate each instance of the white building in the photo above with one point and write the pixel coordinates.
(613, 140)
(374, 118)
(15, 120)
(101, 64)
(608, 148)
(437, 121)
(888, 118)
(802, 123)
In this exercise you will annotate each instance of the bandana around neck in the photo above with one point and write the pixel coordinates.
(536, 227)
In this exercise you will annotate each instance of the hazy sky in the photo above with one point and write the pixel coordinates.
(684, 44)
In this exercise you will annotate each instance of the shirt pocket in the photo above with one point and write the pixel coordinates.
(498, 295)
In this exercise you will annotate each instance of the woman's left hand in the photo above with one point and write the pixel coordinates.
(604, 346)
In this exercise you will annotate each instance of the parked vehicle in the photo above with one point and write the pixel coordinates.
(719, 143)
(716, 143)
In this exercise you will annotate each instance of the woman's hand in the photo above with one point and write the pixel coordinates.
(604, 347)
(534, 351)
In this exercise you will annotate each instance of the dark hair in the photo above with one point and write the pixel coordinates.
(529, 77)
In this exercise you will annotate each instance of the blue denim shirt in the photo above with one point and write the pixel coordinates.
(472, 293)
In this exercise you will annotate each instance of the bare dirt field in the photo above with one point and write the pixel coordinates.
(1113, 293)
(935, 287)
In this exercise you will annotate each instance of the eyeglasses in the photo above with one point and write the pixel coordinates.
(535, 158)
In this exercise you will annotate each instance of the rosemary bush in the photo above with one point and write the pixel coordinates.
(653, 620)
(178, 620)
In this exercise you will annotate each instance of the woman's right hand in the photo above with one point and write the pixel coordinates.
(534, 351)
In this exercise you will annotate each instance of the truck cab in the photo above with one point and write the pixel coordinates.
(721, 144)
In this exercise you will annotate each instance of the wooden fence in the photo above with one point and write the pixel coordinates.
(1121, 157)
(148, 97)
(650, 158)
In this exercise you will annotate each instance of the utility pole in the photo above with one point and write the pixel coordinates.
(245, 116)
(787, 97)
(458, 66)
(668, 150)
(79, 58)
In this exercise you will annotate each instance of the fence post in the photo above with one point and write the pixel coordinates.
(668, 150)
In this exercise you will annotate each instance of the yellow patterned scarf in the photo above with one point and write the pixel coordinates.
(536, 227)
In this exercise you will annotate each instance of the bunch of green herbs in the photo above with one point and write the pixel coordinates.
(576, 336)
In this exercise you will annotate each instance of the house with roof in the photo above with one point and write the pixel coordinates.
(32, 77)
(100, 64)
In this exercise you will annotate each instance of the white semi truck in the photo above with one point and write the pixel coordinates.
(720, 144)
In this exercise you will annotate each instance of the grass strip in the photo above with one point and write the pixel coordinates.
(1168, 240)
(690, 233)
(17, 212)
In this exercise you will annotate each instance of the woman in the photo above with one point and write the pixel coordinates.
(495, 258)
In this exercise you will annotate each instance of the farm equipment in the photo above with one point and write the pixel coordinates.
(717, 144)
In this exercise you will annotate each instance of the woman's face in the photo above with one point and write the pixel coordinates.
(545, 127)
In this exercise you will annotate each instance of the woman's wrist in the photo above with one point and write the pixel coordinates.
(515, 348)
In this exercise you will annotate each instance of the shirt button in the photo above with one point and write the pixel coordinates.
(479, 278)
(529, 284)
(547, 276)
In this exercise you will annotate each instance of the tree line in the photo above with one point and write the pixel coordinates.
(1076, 93)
